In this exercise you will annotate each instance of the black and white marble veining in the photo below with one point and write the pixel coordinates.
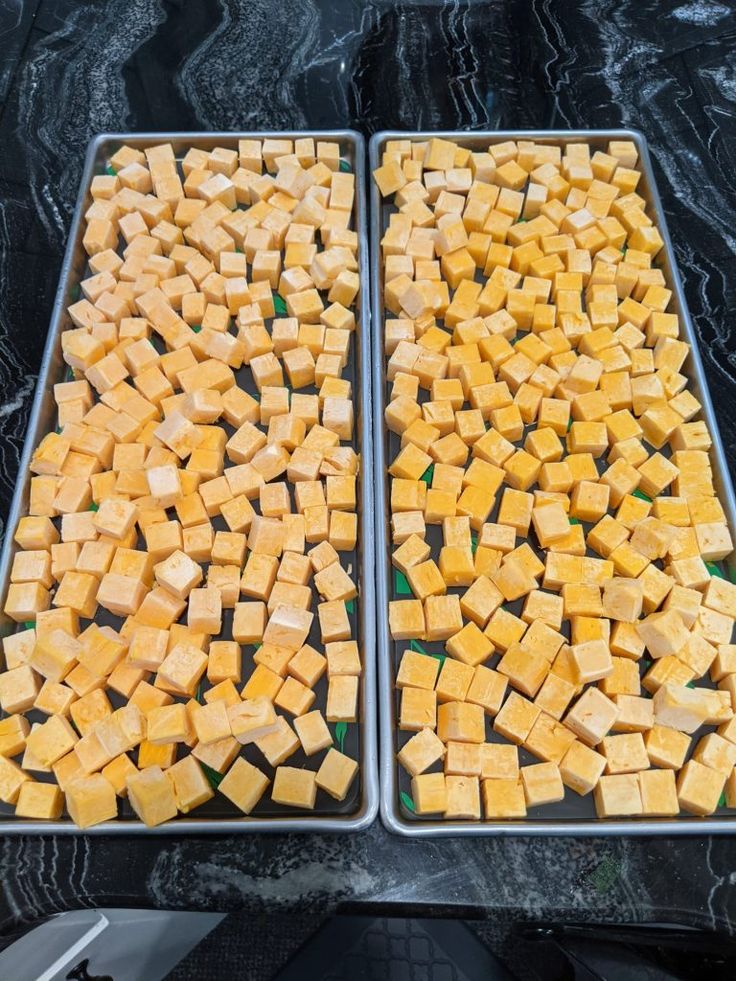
(506, 879)
(73, 68)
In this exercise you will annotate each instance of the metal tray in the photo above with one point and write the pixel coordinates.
(571, 816)
(219, 815)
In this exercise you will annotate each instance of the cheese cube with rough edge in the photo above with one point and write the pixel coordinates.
(336, 774)
(151, 795)
(463, 759)
(548, 739)
(429, 793)
(516, 718)
(679, 708)
(288, 627)
(581, 767)
(313, 732)
(417, 671)
(699, 788)
(460, 722)
(51, 740)
(618, 796)
(13, 732)
(463, 798)
(487, 688)
(542, 784)
(191, 787)
(251, 719)
(663, 633)
(592, 716)
(41, 801)
(716, 752)
(499, 761)
(211, 723)
(624, 753)
(524, 669)
(91, 800)
(592, 660)
(279, 745)
(294, 787)
(244, 785)
(117, 772)
(622, 599)
(658, 793)
(342, 699)
(182, 668)
(666, 747)
(503, 798)
(12, 778)
(421, 751)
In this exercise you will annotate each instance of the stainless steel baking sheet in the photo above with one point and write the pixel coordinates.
(575, 815)
(218, 815)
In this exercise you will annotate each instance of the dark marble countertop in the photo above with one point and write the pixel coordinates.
(73, 68)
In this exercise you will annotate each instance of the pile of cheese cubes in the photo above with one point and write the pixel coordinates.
(199, 493)
(549, 457)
